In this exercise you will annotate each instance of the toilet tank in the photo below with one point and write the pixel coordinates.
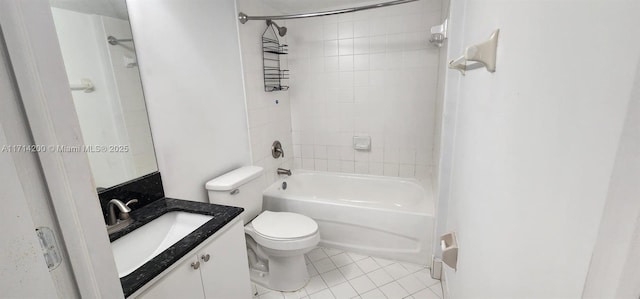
(241, 187)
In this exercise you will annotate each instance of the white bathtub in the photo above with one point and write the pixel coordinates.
(380, 216)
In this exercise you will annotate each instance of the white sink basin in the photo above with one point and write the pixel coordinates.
(141, 245)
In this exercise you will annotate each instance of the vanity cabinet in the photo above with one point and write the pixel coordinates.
(215, 269)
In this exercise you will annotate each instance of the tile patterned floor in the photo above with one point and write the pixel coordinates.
(344, 275)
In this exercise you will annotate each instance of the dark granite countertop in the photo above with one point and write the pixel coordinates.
(221, 216)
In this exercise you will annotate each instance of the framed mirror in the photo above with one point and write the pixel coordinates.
(100, 60)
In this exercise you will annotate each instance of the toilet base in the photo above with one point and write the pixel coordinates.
(279, 264)
(286, 274)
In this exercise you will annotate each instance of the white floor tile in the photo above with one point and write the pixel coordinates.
(425, 277)
(331, 251)
(396, 271)
(316, 254)
(333, 277)
(295, 295)
(349, 275)
(341, 259)
(325, 294)
(383, 262)
(324, 265)
(315, 284)
(380, 277)
(261, 290)
(254, 290)
(355, 256)
(362, 284)
(425, 294)
(367, 265)
(343, 290)
(373, 294)
(311, 269)
(393, 290)
(412, 268)
(351, 271)
(411, 284)
(272, 295)
(437, 288)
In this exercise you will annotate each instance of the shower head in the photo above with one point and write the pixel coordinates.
(282, 31)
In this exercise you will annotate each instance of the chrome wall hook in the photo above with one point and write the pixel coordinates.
(483, 53)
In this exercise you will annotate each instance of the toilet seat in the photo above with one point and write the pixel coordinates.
(284, 225)
(297, 231)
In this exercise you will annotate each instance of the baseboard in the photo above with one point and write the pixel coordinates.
(436, 268)
(445, 285)
(438, 272)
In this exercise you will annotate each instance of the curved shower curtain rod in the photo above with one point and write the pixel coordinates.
(244, 18)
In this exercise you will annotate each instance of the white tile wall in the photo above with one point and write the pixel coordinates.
(268, 120)
(369, 73)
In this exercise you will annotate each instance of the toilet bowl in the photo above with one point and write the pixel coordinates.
(284, 246)
(276, 241)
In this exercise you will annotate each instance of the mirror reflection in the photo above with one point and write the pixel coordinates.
(97, 47)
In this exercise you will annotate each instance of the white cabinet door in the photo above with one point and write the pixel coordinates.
(182, 282)
(226, 273)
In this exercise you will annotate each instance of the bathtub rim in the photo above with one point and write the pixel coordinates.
(428, 197)
(346, 174)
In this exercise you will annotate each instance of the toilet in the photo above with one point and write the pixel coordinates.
(276, 241)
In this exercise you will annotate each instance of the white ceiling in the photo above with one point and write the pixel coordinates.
(302, 6)
(110, 8)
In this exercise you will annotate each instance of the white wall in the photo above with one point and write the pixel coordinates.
(189, 60)
(534, 143)
(268, 121)
(439, 146)
(614, 253)
(629, 287)
(366, 73)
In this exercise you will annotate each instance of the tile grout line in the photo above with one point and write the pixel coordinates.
(380, 262)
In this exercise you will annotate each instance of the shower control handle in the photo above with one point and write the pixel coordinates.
(276, 150)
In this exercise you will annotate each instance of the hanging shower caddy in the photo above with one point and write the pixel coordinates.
(272, 67)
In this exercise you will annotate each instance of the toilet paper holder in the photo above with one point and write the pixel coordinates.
(483, 53)
(449, 244)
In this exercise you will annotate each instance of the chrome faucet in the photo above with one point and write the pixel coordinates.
(122, 207)
(282, 171)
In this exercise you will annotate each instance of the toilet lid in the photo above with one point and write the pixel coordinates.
(284, 225)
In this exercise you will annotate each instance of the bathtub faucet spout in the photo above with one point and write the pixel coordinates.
(282, 171)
